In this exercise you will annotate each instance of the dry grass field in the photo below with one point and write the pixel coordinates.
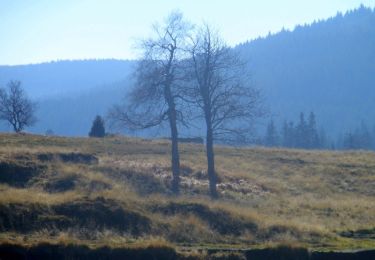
(115, 192)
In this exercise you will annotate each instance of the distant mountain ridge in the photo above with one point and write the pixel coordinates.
(55, 78)
(327, 67)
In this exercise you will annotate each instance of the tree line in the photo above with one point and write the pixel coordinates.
(306, 134)
(360, 138)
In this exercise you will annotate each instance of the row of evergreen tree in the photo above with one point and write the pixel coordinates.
(305, 135)
(360, 138)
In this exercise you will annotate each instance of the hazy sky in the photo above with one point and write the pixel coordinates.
(33, 31)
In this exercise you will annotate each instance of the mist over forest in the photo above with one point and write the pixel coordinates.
(326, 67)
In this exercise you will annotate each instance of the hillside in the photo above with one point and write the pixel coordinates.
(66, 78)
(70, 93)
(325, 67)
(114, 192)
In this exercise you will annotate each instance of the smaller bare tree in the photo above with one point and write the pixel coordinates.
(15, 107)
(222, 90)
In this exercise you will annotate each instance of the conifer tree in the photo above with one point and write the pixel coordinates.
(289, 134)
(301, 132)
(312, 132)
(98, 128)
(271, 138)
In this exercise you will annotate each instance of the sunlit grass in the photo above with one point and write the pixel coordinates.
(292, 196)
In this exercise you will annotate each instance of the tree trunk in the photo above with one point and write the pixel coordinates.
(16, 127)
(175, 156)
(174, 138)
(211, 162)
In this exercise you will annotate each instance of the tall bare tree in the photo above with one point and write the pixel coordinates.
(15, 107)
(156, 95)
(221, 89)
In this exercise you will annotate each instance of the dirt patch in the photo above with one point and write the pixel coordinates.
(45, 157)
(276, 230)
(64, 182)
(184, 170)
(218, 220)
(144, 183)
(69, 157)
(78, 158)
(297, 161)
(359, 234)
(18, 175)
(25, 218)
(243, 186)
(91, 215)
(103, 214)
(98, 186)
(61, 184)
(200, 175)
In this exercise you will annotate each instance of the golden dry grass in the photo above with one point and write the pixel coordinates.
(292, 196)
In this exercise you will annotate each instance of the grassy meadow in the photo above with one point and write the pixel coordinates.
(115, 192)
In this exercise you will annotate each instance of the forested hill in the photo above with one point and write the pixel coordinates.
(327, 67)
(70, 93)
(66, 77)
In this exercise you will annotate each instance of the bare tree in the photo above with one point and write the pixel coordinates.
(16, 108)
(220, 89)
(155, 98)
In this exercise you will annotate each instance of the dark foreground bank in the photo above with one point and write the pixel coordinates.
(47, 251)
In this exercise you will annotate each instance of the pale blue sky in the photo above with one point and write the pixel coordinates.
(33, 31)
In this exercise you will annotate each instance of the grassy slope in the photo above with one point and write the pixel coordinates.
(268, 196)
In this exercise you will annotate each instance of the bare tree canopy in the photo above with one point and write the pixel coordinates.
(156, 95)
(221, 89)
(16, 108)
(179, 73)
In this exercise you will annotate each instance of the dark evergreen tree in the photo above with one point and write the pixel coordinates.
(301, 133)
(285, 134)
(359, 139)
(312, 137)
(98, 128)
(323, 140)
(288, 134)
(271, 138)
(364, 137)
(349, 141)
